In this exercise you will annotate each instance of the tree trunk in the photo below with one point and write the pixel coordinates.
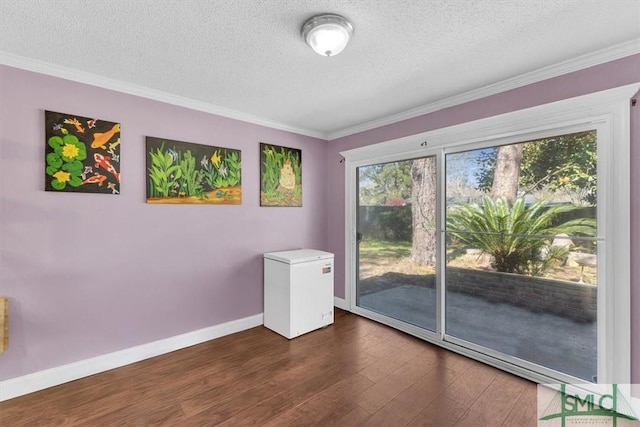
(507, 171)
(423, 211)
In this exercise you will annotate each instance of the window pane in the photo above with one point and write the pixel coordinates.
(397, 240)
(521, 270)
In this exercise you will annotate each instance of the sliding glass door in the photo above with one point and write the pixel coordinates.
(521, 241)
(506, 239)
(396, 278)
(488, 247)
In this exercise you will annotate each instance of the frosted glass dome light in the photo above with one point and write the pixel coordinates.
(327, 34)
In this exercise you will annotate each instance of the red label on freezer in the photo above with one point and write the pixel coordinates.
(326, 270)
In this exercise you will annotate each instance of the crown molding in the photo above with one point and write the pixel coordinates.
(622, 50)
(602, 56)
(67, 73)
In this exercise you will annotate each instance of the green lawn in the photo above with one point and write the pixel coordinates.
(373, 249)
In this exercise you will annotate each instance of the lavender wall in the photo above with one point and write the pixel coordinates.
(89, 274)
(617, 73)
(92, 274)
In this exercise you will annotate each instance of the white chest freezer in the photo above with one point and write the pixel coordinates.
(298, 291)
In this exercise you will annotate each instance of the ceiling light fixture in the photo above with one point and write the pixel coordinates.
(327, 34)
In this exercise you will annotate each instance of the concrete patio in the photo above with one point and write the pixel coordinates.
(546, 339)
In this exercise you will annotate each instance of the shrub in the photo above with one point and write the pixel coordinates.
(514, 234)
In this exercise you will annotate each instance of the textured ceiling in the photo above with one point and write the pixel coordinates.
(247, 56)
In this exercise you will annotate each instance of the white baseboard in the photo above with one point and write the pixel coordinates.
(61, 374)
(341, 303)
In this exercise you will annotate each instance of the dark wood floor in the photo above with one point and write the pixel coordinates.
(354, 372)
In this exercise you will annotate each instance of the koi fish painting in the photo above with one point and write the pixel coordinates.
(82, 154)
(184, 172)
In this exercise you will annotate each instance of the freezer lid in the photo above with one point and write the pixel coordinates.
(298, 256)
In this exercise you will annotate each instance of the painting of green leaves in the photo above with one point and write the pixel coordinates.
(280, 176)
(184, 172)
(82, 154)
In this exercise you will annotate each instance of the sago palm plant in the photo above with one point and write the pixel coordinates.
(514, 234)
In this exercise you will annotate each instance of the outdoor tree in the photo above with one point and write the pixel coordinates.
(423, 210)
(507, 171)
(382, 183)
(459, 175)
(564, 162)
